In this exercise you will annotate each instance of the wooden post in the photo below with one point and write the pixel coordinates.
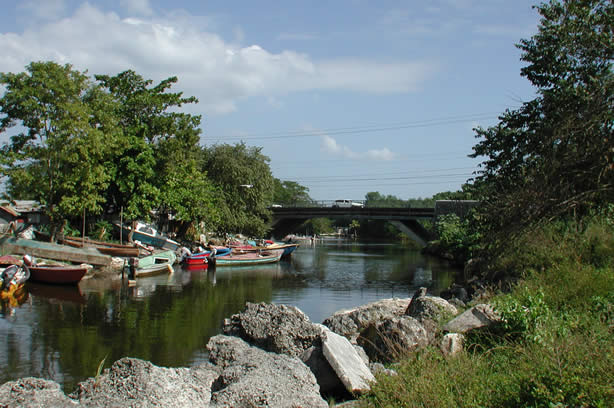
(83, 233)
(121, 224)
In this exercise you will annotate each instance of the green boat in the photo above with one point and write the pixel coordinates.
(155, 264)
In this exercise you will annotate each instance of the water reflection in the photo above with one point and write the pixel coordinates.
(62, 333)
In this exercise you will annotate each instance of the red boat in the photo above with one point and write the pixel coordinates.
(58, 274)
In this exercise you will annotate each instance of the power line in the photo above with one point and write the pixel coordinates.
(358, 129)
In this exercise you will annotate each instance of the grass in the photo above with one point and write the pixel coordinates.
(555, 347)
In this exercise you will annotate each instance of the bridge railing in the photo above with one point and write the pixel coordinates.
(332, 203)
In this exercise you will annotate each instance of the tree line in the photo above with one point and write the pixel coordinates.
(109, 144)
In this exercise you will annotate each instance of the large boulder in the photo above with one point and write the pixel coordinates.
(351, 322)
(33, 392)
(478, 316)
(347, 363)
(277, 328)
(252, 377)
(132, 382)
(430, 308)
(390, 339)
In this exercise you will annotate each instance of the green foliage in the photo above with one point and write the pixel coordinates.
(554, 155)
(457, 236)
(290, 193)
(243, 177)
(102, 230)
(58, 159)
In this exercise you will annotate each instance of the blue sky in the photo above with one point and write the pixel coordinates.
(345, 97)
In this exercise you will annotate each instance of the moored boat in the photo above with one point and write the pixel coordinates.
(155, 264)
(57, 274)
(250, 258)
(201, 258)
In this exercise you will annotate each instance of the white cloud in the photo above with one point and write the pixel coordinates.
(219, 73)
(140, 7)
(330, 146)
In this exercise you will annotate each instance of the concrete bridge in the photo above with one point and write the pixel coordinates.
(287, 219)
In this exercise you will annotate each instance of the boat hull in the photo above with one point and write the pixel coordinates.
(249, 259)
(58, 275)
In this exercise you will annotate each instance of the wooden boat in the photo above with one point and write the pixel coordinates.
(107, 248)
(201, 258)
(57, 274)
(155, 264)
(147, 234)
(57, 252)
(288, 248)
(250, 258)
(12, 284)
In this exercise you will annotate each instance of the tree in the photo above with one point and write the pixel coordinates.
(243, 177)
(57, 156)
(157, 145)
(290, 193)
(555, 154)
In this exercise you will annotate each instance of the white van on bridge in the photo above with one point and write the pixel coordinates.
(347, 204)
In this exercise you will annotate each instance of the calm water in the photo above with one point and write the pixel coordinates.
(63, 333)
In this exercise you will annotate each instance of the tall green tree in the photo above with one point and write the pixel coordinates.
(243, 177)
(157, 152)
(290, 193)
(555, 154)
(61, 128)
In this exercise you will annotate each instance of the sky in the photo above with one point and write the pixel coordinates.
(345, 97)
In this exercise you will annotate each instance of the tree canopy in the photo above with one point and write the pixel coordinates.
(555, 154)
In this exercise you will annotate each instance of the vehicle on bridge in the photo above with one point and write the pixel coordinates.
(347, 204)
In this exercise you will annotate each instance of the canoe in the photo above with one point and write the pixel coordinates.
(57, 274)
(107, 248)
(201, 258)
(250, 258)
(155, 264)
(288, 248)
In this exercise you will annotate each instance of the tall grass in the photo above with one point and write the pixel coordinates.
(555, 347)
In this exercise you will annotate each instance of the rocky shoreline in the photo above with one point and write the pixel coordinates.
(273, 355)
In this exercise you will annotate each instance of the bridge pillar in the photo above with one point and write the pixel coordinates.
(414, 230)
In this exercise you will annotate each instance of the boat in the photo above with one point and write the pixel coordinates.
(56, 274)
(155, 264)
(149, 235)
(249, 258)
(201, 258)
(288, 248)
(107, 248)
(12, 284)
(56, 252)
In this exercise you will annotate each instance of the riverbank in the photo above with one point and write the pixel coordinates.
(304, 364)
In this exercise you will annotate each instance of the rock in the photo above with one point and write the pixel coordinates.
(132, 382)
(379, 368)
(452, 343)
(33, 392)
(478, 316)
(347, 363)
(430, 308)
(252, 377)
(390, 339)
(351, 322)
(277, 328)
(327, 378)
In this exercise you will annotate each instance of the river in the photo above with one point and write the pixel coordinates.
(63, 333)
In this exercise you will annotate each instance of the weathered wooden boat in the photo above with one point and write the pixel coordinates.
(56, 252)
(288, 248)
(12, 284)
(57, 274)
(155, 264)
(149, 235)
(107, 248)
(250, 258)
